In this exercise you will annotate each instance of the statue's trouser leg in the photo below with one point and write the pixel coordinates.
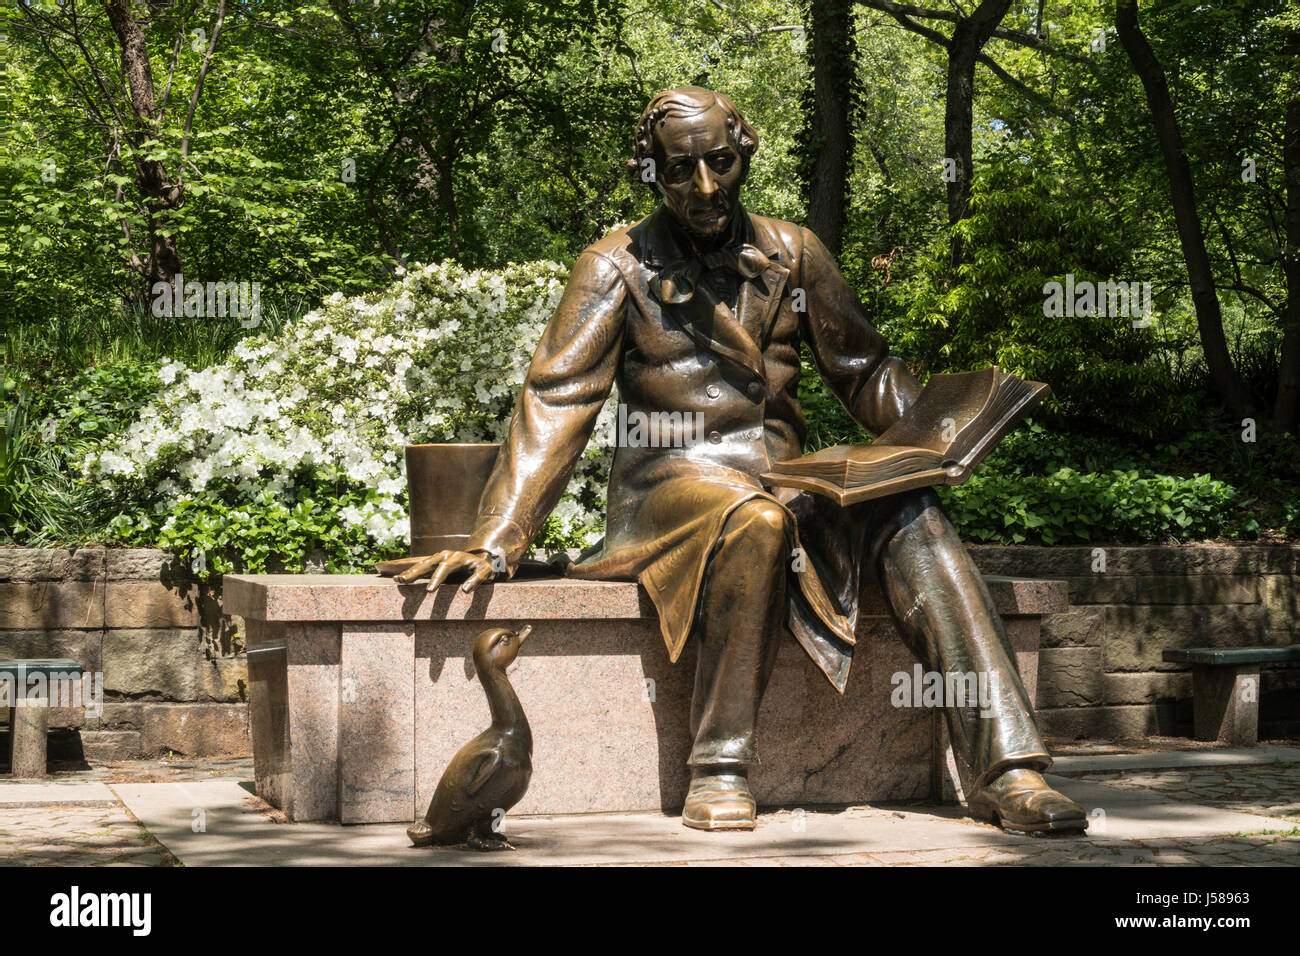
(740, 618)
(945, 614)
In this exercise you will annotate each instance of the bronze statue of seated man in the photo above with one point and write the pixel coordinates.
(697, 312)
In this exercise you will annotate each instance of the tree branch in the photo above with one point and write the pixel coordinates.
(171, 71)
(203, 73)
(1034, 41)
(1026, 91)
(85, 94)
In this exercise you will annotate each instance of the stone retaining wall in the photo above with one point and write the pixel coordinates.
(1100, 667)
(175, 677)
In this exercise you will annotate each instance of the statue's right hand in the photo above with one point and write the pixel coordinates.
(442, 565)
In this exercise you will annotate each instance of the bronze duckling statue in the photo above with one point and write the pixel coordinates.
(490, 774)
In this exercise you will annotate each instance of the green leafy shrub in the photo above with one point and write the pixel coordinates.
(46, 434)
(1067, 506)
(267, 534)
(293, 446)
(827, 421)
(1020, 236)
(288, 454)
(95, 404)
(1034, 449)
(21, 467)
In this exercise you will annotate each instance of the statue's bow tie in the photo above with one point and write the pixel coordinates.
(676, 283)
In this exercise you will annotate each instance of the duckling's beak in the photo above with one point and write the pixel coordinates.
(524, 632)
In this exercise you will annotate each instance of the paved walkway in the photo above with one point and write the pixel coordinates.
(1155, 807)
(1209, 851)
(77, 836)
(157, 770)
(1271, 791)
(1152, 745)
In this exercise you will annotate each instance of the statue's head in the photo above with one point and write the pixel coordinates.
(699, 146)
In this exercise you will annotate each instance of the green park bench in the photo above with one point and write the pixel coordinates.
(28, 701)
(1225, 689)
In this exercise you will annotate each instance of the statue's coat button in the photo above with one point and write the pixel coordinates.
(715, 437)
(713, 391)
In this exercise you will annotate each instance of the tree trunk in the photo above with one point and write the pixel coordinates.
(1286, 408)
(1209, 319)
(832, 119)
(968, 39)
(159, 193)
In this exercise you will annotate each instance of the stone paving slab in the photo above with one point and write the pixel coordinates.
(1147, 743)
(1259, 850)
(1194, 815)
(1136, 814)
(238, 830)
(76, 836)
(151, 770)
(42, 794)
(1160, 760)
(1270, 791)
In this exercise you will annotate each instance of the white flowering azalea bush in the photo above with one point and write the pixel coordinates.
(290, 452)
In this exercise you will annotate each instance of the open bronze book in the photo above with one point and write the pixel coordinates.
(954, 423)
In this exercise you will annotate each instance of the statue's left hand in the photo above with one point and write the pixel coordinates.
(443, 564)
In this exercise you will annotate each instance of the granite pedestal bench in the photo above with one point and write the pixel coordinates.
(361, 691)
(1225, 689)
(26, 687)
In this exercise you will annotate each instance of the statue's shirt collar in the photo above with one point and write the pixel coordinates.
(662, 244)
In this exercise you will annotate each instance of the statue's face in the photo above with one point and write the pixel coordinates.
(699, 171)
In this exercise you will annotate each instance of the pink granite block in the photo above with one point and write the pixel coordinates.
(1023, 633)
(1027, 597)
(608, 712)
(369, 597)
(819, 747)
(376, 723)
(610, 720)
(293, 673)
(379, 695)
(268, 712)
(313, 686)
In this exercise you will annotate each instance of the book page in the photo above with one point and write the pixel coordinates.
(948, 404)
(971, 410)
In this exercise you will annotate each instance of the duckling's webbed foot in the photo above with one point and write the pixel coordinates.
(488, 841)
(420, 833)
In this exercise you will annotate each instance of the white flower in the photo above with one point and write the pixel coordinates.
(167, 373)
(343, 389)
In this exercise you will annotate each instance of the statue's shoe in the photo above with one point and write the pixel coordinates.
(1020, 799)
(719, 801)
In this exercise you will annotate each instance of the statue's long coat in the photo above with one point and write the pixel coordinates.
(667, 505)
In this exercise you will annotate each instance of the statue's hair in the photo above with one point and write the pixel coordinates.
(689, 101)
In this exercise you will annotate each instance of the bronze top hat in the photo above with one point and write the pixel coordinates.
(445, 483)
